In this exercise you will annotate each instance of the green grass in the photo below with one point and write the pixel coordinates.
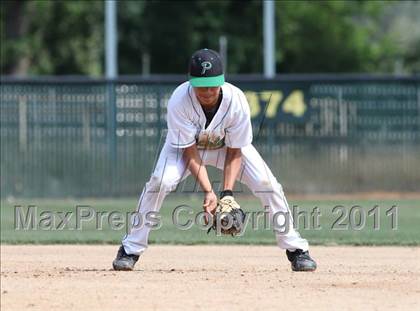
(406, 233)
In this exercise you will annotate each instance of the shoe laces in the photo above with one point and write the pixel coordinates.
(301, 254)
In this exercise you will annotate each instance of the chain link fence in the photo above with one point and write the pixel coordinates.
(75, 137)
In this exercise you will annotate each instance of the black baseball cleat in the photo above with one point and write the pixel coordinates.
(301, 261)
(124, 261)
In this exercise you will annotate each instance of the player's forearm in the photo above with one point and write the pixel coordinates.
(195, 166)
(232, 167)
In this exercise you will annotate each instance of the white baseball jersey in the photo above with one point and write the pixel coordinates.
(231, 125)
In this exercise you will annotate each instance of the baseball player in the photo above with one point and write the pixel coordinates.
(209, 124)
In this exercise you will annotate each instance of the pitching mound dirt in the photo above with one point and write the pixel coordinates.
(78, 277)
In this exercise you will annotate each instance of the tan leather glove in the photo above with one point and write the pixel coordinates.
(229, 216)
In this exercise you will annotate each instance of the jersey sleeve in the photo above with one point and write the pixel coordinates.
(239, 133)
(181, 131)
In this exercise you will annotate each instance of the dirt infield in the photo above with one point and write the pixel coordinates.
(78, 277)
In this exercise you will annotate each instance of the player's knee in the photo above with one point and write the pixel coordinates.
(168, 184)
(162, 184)
(266, 186)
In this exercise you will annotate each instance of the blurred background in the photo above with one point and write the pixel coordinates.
(67, 37)
(333, 86)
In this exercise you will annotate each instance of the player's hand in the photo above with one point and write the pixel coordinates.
(210, 203)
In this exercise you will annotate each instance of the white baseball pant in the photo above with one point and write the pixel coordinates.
(170, 171)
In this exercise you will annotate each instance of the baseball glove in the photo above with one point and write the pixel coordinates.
(229, 216)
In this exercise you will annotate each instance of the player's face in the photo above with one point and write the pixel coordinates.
(207, 96)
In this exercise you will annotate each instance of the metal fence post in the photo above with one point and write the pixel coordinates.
(111, 134)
